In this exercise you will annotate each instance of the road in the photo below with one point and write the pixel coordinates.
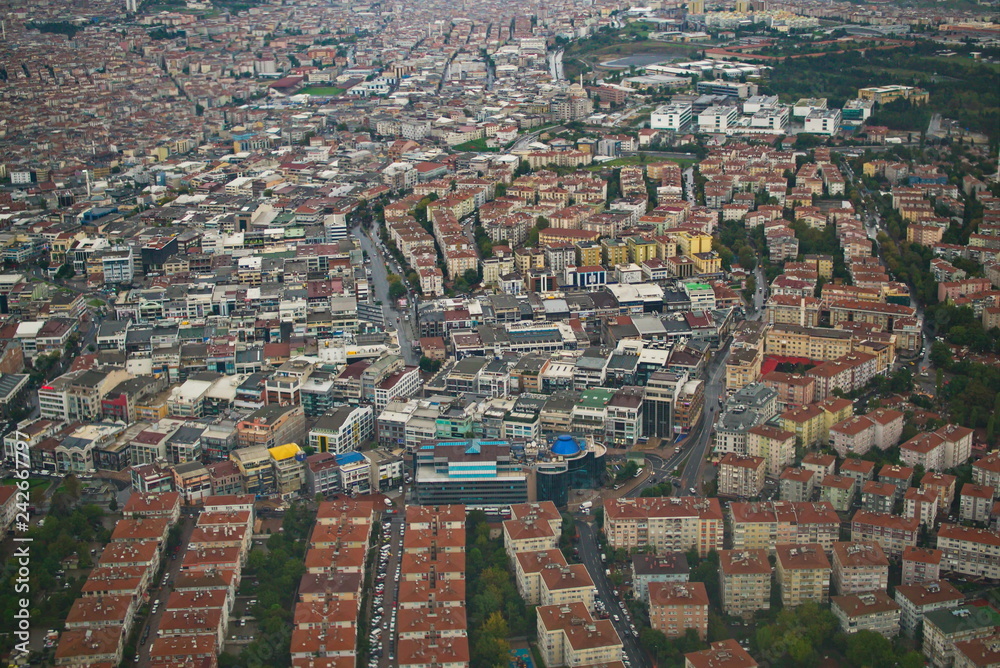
(590, 554)
(391, 315)
(698, 440)
(387, 599)
(555, 59)
(663, 154)
(161, 593)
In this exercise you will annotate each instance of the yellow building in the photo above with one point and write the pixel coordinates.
(641, 249)
(614, 252)
(822, 264)
(289, 467)
(707, 263)
(666, 247)
(807, 423)
(816, 343)
(588, 254)
(887, 94)
(743, 368)
(689, 243)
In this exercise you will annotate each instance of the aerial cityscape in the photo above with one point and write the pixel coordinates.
(500, 334)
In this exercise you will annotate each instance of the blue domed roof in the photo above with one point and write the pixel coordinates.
(565, 445)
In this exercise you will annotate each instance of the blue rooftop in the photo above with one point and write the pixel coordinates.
(565, 446)
(349, 458)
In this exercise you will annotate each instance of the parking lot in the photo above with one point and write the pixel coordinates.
(383, 603)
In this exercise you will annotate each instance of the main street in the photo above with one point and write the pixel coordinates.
(698, 440)
(391, 315)
(590, 555)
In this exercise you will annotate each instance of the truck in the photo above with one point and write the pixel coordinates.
(604, 558)
(586, 506)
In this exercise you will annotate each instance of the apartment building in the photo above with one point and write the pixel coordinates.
(978, 653)
(838, 490)
(921, 564)
(892, 532)
(944, 485)
(796, 485)
(878, 497)
(741, 476)
(921, 504)
(969, 551)
(986, 470)
(899, 477)
(720, 654)
(648, 568)
(976, 502)
(803, 573)
(945, 627)
(815, 343)
(776, 446)
(745, 579)
(915, 600)
(569, 636)
(859, 567)
(528, 535)
(862, 471)
(272, 425)
(667, 524)
(763, 526)
(675, 607)
(566, 584)
(871, 611)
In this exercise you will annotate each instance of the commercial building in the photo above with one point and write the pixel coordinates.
(343, 430)
(468, 472)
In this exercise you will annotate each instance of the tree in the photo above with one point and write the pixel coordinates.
(65, 272)
(396, 290)
(627, 471)
(428, 365)
(867, 648)
(471, 276)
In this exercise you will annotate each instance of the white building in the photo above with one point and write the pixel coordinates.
(774, 119)
(671, 117)
(823, 122)
(717, 119)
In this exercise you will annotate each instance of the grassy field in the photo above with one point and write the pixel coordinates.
(32, 482)
(324, 90)
(476, 145)
(600, 53)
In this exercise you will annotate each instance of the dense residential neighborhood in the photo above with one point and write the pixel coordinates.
(532, 335)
